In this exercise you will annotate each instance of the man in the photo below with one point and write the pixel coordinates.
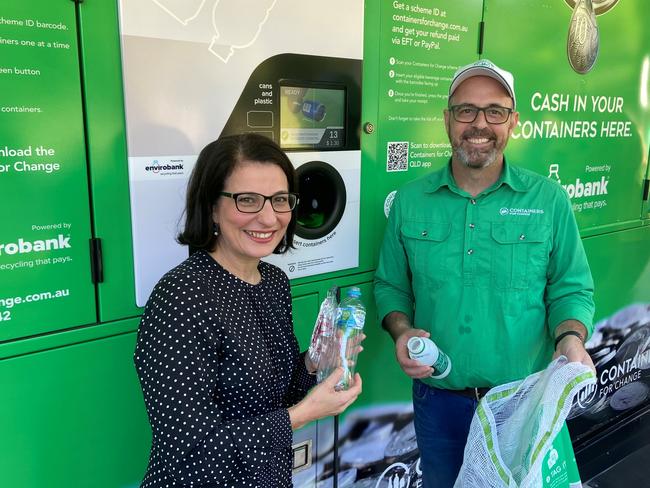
(486, 259)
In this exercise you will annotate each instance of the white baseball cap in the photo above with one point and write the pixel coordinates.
(485, 67)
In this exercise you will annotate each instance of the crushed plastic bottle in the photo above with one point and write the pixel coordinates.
(323, 349)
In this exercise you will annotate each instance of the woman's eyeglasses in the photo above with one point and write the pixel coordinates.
(250, 202)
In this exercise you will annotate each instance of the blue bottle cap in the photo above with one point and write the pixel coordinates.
(355, 292)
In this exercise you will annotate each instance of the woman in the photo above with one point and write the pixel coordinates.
(223, 381)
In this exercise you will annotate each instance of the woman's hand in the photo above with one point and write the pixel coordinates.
(324, 401)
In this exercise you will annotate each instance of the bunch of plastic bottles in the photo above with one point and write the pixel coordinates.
(337, 335)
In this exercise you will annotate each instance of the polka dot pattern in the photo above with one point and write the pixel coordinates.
(219, 364)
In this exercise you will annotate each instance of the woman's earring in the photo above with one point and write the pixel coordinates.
(215, 229)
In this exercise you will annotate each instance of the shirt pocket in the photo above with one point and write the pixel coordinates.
(427, 248)
(520, 254)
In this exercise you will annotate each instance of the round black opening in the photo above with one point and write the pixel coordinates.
(322, 199)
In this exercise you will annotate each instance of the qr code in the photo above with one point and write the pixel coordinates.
(398, 156)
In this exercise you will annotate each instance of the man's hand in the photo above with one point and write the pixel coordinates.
(572, 346)
(411, 367)
(400, 329)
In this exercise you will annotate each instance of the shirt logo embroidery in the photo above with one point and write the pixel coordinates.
(524, 212)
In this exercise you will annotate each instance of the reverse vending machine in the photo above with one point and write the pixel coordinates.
(312, 109)
(105, 105)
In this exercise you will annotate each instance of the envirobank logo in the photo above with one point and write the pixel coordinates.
(25, 247)
(156, 166)
(579, 188)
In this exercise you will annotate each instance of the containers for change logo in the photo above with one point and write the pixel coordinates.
(586, 396)
(388, 202)
(397, 475)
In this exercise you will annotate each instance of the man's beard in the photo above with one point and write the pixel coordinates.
(473, 158)
(476, 160)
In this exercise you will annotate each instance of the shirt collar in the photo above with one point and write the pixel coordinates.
(510, 176)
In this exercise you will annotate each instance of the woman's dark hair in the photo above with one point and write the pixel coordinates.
(215, 164)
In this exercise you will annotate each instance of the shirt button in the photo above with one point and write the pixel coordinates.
(471, 226)
(522, 237)
(473, 201)
(470, 251)
(425, 233)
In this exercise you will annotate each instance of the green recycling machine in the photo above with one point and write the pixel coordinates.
(105, 105)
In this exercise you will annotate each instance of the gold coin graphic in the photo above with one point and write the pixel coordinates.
(583, 39)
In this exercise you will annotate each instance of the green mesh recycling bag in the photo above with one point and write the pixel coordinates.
(512, 435)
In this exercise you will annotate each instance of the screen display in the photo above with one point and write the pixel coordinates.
(312, 118)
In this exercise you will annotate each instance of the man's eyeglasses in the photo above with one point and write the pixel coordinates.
(254, 202)
(494, 114)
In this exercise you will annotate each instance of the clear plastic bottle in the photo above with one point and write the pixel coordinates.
(324, 348)
(351, 318)
(424, 350)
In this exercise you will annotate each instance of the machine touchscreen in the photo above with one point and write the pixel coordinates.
(312, 117)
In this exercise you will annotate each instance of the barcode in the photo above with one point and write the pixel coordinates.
(398, 156)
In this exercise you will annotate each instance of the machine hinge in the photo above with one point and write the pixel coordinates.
(96, 260)
(481, 31)
(646, 188)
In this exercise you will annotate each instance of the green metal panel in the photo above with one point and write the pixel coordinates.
(589, 130)
(45, 279)
(369, 120)
(645, 209)
(411, 53)
(620, 264)
(73, 417)
(69, 337)
(106, 136)
(305, 311)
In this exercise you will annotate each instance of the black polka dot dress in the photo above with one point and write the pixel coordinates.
(219, 364)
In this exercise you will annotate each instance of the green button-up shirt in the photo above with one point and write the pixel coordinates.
(490, 277)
